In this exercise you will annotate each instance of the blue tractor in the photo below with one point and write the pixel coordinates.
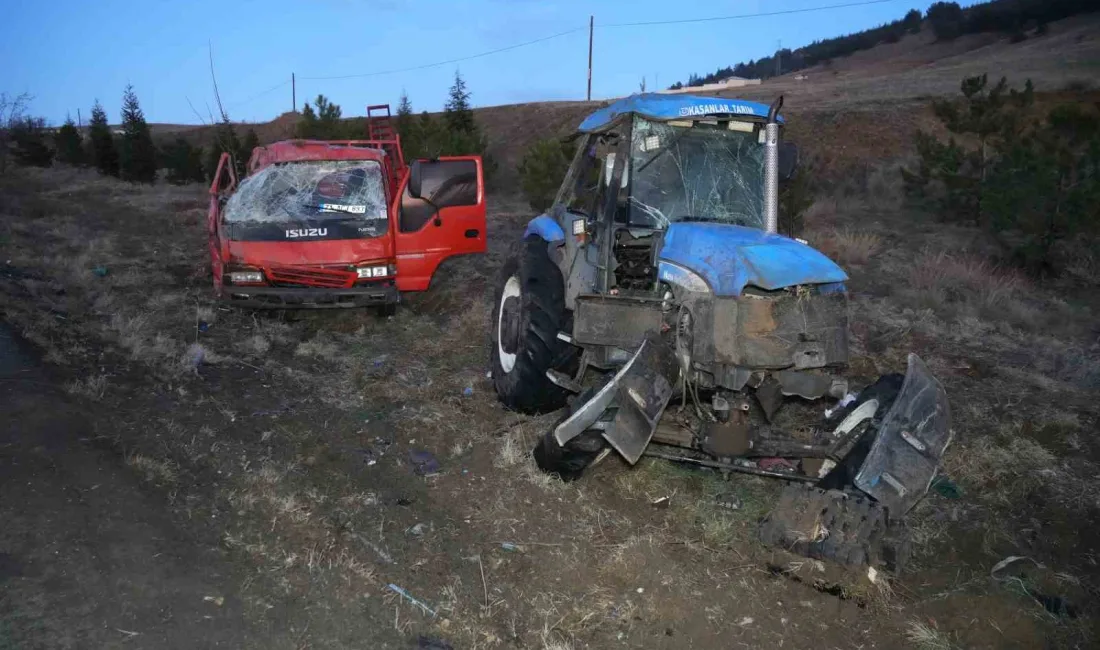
(658, 303)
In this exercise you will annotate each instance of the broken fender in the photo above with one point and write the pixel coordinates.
(910, 443)
(639, 392)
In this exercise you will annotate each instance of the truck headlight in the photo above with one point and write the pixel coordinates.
(376, 271)
(246, 277)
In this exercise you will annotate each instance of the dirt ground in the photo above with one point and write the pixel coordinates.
(177, 474)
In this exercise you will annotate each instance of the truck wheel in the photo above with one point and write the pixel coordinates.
(530, 311)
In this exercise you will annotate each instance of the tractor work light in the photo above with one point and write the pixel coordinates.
(379, 271)
(246, 277)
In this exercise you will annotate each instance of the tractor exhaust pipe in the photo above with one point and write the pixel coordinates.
(771, 167)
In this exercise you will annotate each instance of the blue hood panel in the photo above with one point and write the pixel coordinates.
(730, 257)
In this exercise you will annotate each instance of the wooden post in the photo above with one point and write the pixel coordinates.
(293, 93)
(591, 26)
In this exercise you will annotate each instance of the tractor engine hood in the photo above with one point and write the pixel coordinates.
(732, 257)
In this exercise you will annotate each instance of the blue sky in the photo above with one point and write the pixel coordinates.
(67, 53)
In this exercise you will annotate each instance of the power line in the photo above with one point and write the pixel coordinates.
(741, 16)
(259, 94)
(449, 61)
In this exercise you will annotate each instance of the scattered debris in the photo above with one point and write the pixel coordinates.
(872, 574)
(424, 462)
(640, 590)
(217, 600)
(776, 465)
(845, 401)
(469, 390)
(748, 620)
(418, 530)
(1053, 604)
(407, 596)
(946, 488)
(728, 501)
(510, 547)
(432, 643)
(203, 326)
(100, 271)
(1011, 559)
(662, 502)
(194, 356)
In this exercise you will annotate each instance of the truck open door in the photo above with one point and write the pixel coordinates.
(225, 181)
(442, 217)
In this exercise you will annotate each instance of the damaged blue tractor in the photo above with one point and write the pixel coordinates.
(658, 303)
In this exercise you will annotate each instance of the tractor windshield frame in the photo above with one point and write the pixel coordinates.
(708, 169)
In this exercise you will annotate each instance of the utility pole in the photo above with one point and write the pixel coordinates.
(591, 28)
(79, 122)
(778, 56)
(293, 93)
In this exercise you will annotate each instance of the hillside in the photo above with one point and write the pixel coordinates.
(827, 106)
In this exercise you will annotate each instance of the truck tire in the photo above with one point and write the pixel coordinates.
(530, 311)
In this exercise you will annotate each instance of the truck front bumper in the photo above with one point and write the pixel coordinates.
(310, 298)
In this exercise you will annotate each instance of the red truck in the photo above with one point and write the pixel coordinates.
(344, 223)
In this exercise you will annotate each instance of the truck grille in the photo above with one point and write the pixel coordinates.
(292, 276)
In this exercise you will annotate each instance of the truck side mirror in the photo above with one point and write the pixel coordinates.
(788, 160)
(414, 179)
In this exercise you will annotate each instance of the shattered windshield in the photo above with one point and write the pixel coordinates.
(323, 191)
(710, 171)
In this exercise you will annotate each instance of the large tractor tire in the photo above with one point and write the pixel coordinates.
(530, 311)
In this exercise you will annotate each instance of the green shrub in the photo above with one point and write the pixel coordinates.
(542, 169)
(184, 163)
(31, 143)
(1030, 182)
(69, 144)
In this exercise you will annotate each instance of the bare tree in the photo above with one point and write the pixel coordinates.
(13, 110)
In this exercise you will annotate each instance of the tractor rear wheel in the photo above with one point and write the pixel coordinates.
(530, 311)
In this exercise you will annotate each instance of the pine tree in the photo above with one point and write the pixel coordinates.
(69, 145)
(102, 142)
(406, 126)
(457, 113)
(912, 21)
(137, 154)
(322, 121)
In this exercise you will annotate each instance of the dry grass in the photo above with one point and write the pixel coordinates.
(924, 636)
(160, 472)
(92, 387)
(964, 279)
(849, 246)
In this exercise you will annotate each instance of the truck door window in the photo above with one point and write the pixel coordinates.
(443, 183)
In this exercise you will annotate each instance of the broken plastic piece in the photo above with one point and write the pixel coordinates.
(407, 596)
(424, 462)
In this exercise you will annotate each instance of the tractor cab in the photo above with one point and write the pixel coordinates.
(659, 276)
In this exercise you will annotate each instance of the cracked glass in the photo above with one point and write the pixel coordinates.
(710, 171)
(317, 191)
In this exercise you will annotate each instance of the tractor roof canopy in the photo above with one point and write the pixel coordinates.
(661, 107)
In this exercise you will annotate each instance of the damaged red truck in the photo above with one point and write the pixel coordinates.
(340, 223)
